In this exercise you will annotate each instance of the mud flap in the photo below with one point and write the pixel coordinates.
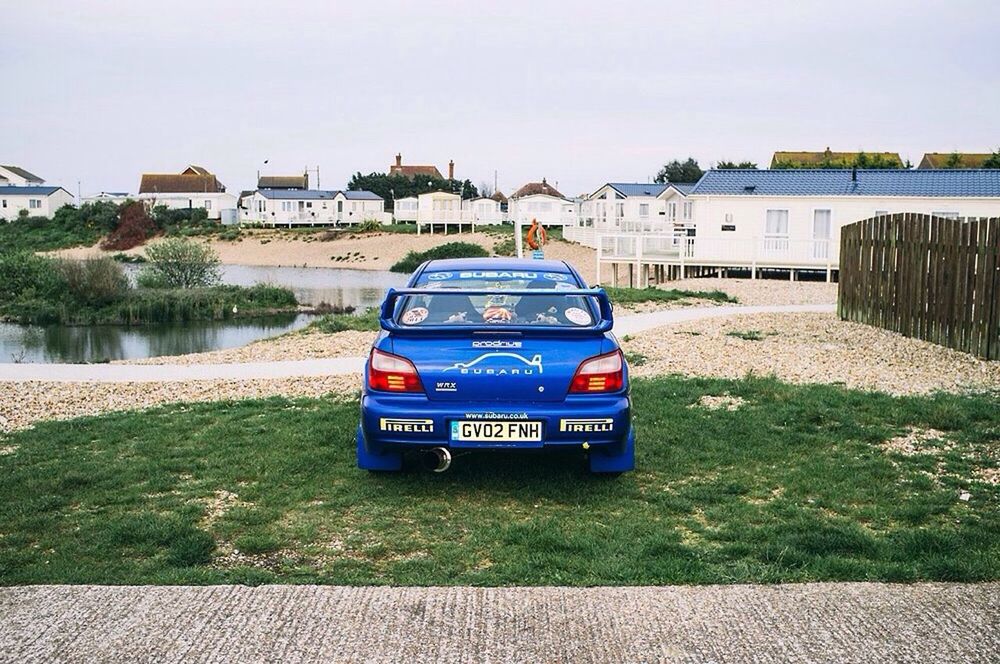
(616, 459)
(371, 460)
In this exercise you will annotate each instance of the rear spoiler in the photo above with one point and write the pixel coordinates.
(387, 314)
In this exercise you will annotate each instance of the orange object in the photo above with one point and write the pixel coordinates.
(536, 235)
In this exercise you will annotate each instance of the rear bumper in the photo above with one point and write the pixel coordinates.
(395, 421)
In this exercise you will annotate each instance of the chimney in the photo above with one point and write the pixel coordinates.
(399, 159)
(451, 169)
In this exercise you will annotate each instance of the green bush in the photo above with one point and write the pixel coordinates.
(412, 260)
(41, 290)
(68, 227)
(365, 321)
(180, 263)
(505, 247)
(97, 281)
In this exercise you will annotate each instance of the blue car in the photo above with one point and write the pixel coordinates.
(491, 353)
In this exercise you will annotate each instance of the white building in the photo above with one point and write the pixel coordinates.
(18, 177)
(791, 219)
(405, 209)
(194, 187)
(635, 206)
(483, 210)
(116, 197)
(541, 201)
(34, 200)
(311, 207)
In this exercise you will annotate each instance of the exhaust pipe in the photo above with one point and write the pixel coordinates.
(437, 459)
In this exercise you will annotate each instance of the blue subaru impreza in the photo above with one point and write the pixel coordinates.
(488, 353)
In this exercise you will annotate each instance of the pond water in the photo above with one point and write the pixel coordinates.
(99, 343)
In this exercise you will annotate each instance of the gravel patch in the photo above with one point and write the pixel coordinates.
(763, 292)
(23, 404)
(808, 622)
(918, 441)
(810, 348)
(293, 346)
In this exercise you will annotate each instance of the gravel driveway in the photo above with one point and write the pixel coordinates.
(819, 622)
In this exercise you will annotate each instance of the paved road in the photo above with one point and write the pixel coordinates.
(118, 373)
(850, 622)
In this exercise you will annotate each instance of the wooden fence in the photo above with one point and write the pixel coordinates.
(925, 277)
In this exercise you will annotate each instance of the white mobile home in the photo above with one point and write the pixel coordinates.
(483, 210)
(35, 201)
(791, 219)
(310, 207)
(541, 201)
(405, 209)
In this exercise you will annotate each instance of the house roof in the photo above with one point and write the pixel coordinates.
(413, 171)
(361, 195)
(12, 190)
(499, 197)
(297, 194)
(533, 188)
(316, 194)
(195, 170)
(953, 183)
(826, 156)
(637, 188)
(942, 159)
(17, 170)
(170, 183)
(283, 182)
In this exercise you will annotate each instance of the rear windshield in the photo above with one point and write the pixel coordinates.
(548, 307)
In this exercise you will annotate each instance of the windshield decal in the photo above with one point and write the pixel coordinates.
(487, 364)
(577, 316)
(415, 316)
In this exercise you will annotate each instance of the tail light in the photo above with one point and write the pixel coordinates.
(392, 373)
(604, 373)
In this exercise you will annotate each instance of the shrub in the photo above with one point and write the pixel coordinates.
(134, 228)
(68, 227)
(25, 274)
(180, 263)
(97, 281)
(414, 259)
(505, 247)
(365, 321)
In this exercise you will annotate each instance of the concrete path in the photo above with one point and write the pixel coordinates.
(118, 373)
(849, 622)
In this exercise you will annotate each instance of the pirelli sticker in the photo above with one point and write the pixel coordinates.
(400, 425)
(592, 425)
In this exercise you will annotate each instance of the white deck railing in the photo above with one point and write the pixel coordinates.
(684, 250)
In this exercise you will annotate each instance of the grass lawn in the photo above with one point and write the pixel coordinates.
(793, 485)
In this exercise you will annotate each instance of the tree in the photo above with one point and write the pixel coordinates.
(486, 189)
(180, 263)
(135, 226)
(954, 161)
(730, 165)
(676, 171)
(395, 186)
(993, 161)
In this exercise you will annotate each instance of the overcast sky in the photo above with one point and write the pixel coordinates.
(579, 92)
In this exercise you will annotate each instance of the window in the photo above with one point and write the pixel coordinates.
(5, 202)
(688, 208)
(881, 213)
(34, 203)
(945, 215)
(643, 210)
(821, 233)
(309, 204)
(208, 205)
(776, 232)
(672, 211)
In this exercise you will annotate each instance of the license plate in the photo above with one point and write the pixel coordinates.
(487, 431)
